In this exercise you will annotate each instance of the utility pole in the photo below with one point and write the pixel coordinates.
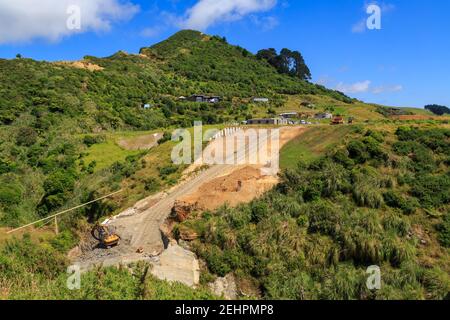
(56, 225)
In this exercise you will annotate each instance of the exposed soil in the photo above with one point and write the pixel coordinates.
(145, 229)
(80, 65)
(241, 186)
(144, 142)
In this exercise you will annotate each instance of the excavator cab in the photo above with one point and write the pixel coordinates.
(105, 236)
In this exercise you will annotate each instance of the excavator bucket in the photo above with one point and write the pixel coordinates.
(105, 236)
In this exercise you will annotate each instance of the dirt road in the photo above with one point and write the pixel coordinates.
(141, 228)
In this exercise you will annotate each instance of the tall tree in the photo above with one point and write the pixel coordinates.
(437, 109)
(287, 62)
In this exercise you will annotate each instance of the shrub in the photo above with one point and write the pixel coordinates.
(378, 136)
(395, 222)
(334, 178)
(26, 137)
(11, 193)
(366, 196)
(164, 172)
(58, 187)
(395, 200)
(432, 190)
(437, 283)
(357, 151)
(89, 141)
(239, 218)
(374, 149)
(6, 166)
(64, 241)
(342, 157)
(167, 136)
(216, 263)
(324, 217)
(260, 211)
(444, 231)
(36, 259)
(366, 191)
(151, 185)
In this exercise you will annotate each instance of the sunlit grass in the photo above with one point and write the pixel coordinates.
(312, 144)
(106, 154)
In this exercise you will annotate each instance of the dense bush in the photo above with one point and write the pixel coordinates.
(10, 193)
(396, 200)
(444, 231)
(314, 235)
(26, 137)
(438, 109)
(32, 270)
(432, 190)
(58, 187)
(358, 151)
(91, 140)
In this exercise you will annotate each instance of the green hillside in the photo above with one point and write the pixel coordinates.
(378, 197)
(61, 127)
(226, 70)
(48, 108)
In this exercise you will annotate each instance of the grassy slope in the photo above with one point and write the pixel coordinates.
(312, 145)
(106, 154)
(314, 236)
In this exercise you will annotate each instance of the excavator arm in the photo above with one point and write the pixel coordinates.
(105, 236)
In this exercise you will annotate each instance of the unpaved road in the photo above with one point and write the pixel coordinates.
(141, 230)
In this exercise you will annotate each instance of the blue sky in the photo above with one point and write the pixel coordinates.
(406, 63)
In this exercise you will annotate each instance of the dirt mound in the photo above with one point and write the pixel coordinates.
(182, 209)
(241, 186)
(80, 65)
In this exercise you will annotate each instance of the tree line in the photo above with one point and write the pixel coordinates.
(287, 62)
(437, 109)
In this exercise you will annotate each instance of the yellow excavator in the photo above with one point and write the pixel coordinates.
(107, 237)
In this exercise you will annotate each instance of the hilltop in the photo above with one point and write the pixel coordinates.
(108, 93)
(227, 69)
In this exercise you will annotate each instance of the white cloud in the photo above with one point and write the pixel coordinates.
(384, 89)
(324, 80)
(206, 13)
(25, 20)
(359, 27)
(151, 32)
(265, 23)
(366, 86)
(358, 87)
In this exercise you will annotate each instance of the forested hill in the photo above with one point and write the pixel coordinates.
(227, 69)
(109, 92)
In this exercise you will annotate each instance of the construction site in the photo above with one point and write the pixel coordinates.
(144, 231)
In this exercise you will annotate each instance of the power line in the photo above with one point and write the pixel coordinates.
(65, 211)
